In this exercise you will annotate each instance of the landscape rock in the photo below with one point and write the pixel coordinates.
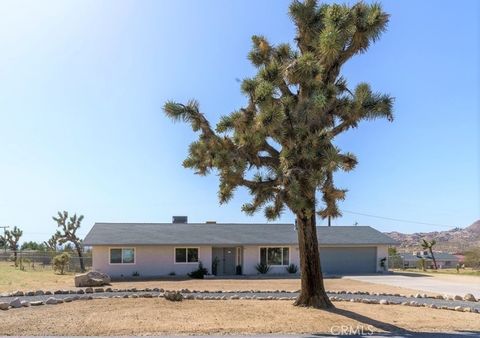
(457, 297)
(16, 303)
(51, 301)
(173, 296)
(469, 297)
(92, 278)
(88, 290)
(99, 290)
(30, 293)
(36, 303)
(39, 293)
(383, 302)
(18, 294)
(4, 306)
(25, 303)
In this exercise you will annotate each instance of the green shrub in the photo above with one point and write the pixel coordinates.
(199, 273)
(262, 268)
(292, 268)
(60, 262)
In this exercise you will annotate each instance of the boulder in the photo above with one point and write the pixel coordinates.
(16, 303)
(4, 306)
(92, 278)
(51, 301)
(457, 297)
(18, 294)
(173, 296)
(469, 297)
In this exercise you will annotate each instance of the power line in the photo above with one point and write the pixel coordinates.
(398, 219)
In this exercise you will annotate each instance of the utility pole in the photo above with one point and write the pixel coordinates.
(4, 236)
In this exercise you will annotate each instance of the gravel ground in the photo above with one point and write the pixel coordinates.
(393, 299)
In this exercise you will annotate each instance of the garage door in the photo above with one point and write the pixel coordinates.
(348, 261)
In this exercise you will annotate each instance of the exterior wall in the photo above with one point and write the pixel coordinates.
(150, 260)
(251, 257)
(382, 252)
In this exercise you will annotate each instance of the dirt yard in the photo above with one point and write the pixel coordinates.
(12, 279)
(158, 316)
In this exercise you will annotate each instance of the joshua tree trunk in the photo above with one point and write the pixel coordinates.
(15, 257)
(313, 290)
(433, 258)
(80, 257)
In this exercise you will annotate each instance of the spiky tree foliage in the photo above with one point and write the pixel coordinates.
(52, 243)
(280, 146)
(67, 233)
(428, 245)
(11, 239)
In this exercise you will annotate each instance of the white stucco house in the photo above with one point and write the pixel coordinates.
(159, 249)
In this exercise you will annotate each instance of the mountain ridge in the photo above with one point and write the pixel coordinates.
(456, 240)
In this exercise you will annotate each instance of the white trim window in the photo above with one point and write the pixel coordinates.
(275, 256)
(122, 256)
(186, 255)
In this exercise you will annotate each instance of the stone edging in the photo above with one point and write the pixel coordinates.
(203, 295)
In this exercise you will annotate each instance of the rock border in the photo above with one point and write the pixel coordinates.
(203, 295)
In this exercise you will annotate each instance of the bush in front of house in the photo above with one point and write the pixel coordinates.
(292, 268)
(60, 262)
(199, 273)
(262, 268)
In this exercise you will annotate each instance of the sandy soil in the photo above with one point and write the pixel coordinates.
(157, 316)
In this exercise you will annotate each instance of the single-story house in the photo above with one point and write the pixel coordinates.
(444, 260)
(154, 249)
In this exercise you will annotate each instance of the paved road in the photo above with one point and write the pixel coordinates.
(315, 335)
(426, 283)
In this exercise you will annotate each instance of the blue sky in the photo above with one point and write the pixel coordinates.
(82, 84)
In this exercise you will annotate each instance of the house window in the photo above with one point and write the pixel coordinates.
(122, 256)
(186, 255)
(275, 256)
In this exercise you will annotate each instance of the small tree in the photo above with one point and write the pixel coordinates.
(52, 243)
(428, 245)
(11, 239)
(67, 233)
(472, 258)
(60, 262)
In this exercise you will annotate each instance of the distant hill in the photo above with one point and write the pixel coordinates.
(455, 240)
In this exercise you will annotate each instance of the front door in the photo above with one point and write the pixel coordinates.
(229, 261)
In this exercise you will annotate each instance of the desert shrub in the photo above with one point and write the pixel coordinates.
(262, 268)
(472, 258)
(60, 262)
(199, 273)
(292, 268)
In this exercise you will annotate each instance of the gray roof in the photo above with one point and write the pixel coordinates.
(225, 234)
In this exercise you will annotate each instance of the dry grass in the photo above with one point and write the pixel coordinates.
(12, 278)
(157, 316)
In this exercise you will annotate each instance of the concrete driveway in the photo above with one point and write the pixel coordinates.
(449, 284)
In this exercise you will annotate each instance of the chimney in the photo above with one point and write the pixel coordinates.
(179, 219)
(211, 222)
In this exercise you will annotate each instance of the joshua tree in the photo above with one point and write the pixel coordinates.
(67, 233)
(11, 239)
(51, 244)
(280, 146)
(428, 245)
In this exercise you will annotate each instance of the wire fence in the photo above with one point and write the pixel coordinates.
(37, 260)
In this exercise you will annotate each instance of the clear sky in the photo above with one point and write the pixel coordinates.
(82, 84)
